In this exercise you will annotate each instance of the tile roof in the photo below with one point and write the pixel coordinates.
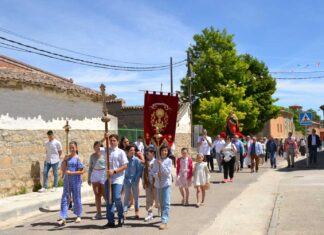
(19, 74)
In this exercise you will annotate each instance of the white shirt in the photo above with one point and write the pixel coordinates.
(117, 158)
(140, 146)
(204, 148)
(218, 145)
(166, 178)
(52, 151)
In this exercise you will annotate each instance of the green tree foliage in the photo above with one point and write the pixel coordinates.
(225, 81)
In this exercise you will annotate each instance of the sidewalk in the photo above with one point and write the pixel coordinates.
(282, 201)
(27, 205)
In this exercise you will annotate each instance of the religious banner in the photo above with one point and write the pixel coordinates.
(160, 117)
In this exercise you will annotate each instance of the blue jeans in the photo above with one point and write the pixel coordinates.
(166, 191)
(273, 160)
(116, 201)
(47, 167)
(128, 187)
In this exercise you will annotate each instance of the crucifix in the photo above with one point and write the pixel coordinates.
(106, 119)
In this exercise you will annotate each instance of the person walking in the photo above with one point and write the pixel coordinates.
(201, 177)
(204, 147)
(255, 152)
(290, 148)
(217, 146)
(184, 175)
(53, 154)
(272, 150)
(163, 181)
(239, 155)
(73, 169)
(118, 165)
(97, 176)
(228, 152)
(148, 183)
(313, 142)
(132, 176)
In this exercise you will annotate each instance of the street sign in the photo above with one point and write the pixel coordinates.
(306, 118)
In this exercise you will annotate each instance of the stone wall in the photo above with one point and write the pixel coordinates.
(22, 156)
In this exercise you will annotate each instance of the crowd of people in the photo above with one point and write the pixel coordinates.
(133, 166)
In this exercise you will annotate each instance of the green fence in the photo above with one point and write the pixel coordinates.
(131, 134)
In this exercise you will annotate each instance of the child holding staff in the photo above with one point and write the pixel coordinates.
(73, 169)
(163, 180)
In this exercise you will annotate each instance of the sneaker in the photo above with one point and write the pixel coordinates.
(231, 180)
(54, 189)
(42, 190)
(121, 222)
(275, 167)
(149, 217)
(163, 226)
(97, 216)
(224, 180)
(61, 222)
(198, 205)
(78, 220)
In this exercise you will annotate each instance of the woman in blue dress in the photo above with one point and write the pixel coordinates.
(73, 169)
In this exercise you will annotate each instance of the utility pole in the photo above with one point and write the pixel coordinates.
(171, 75)
(189, 74)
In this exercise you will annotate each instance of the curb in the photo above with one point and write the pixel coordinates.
(32, 203)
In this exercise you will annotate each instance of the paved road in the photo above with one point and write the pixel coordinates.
(183, 220)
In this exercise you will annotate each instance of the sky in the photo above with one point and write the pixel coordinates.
(286, 35)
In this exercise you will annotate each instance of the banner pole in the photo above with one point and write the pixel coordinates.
(67, 128)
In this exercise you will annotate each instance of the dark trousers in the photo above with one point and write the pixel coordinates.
(313, 155)
(241, 160)
(229, 168)
(267, 155)
(210, 162)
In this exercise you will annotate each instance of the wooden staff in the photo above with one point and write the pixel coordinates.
(158, 137)
(67, 128)
(106, 119)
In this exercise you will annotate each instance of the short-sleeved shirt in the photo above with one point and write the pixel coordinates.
(117, 158)
(52, 151)
(204, 148)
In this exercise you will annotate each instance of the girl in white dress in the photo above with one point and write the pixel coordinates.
(201, 179)
(184, 175)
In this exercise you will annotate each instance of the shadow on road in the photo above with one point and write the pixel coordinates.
(302, 164)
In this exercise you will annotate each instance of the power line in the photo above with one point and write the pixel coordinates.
(73, 51)
(292, 72)
(84, 62)
(299, 78)
(10, 47)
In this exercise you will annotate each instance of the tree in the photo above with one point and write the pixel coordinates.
(226, 81)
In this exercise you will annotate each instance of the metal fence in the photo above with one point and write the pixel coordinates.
(131, 134)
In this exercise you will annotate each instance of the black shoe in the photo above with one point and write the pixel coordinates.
(288, 166)
(109, 225)
(275, 167)
(121, 222)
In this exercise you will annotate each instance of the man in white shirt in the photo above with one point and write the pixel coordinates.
(204, 147)
(53, 153)
(118, 164)
(139, 144)
(217, 146)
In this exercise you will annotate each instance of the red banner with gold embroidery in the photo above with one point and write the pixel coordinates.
(160, 117)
